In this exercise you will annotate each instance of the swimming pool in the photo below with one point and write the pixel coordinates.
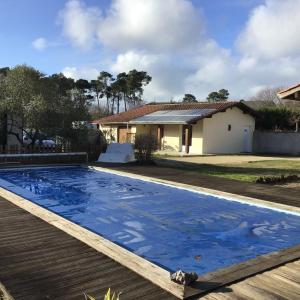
(173, 228)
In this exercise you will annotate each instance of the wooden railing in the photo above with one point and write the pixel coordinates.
(19, 149)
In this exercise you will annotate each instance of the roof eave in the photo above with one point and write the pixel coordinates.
(114, 123)
(158, 123)
(287, 94)
(289, 90)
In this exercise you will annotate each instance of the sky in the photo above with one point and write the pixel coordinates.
(187, 46)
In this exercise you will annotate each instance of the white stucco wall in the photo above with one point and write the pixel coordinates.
(146, 129)
(172, 138)
(197, 138)
(217, 138)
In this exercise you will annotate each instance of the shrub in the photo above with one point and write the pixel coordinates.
(91, 141)
(96, 144)
(145, 144)
(278, 118)
(277, 179)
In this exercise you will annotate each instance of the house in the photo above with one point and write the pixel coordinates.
(195, 128)
(291, 93)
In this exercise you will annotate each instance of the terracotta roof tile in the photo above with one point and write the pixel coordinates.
(129, 115)
(134, 113)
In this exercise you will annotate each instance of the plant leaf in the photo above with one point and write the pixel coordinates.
(107, 296)
(88, 297)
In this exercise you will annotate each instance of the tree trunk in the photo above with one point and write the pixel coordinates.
(125, 102)
(113, 105)
(118, 104)
(107, 104)
(98, 102)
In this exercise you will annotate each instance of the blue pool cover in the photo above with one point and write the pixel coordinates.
(174, 228)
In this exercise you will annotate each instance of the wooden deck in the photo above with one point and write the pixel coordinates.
(39, 261)
(277, 284)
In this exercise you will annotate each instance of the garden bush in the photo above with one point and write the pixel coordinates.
(145, 145)
(277, 179)
(278, 118)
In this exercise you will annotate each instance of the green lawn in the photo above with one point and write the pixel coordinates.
(250, 171)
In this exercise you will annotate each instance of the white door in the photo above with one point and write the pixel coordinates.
(247, 139)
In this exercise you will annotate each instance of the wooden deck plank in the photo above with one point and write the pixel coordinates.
(265, 286)
(287, 275)
(274, 286)
(61, 283)
(94, 287)
(291, 284)
(61, 253)
(254, 292)
(53, 266)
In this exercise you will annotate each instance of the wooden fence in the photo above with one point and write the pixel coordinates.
(19, 149)
(49, 154)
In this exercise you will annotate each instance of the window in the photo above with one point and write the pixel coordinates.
(229, 127)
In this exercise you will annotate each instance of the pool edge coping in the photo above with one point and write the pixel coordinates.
(143, 267)
(247, 272)
(228, 196)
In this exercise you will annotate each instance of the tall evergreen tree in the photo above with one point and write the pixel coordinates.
(221, 95)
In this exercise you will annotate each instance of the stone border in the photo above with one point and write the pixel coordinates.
(152, 272)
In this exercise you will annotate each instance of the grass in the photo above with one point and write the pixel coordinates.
(250, 171)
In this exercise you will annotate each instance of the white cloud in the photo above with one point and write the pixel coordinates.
(152, 25)
(273, 30)
(78, 73)
(133, 24)
(40, 44)
(79, 23)
(167, 77)
(167, 39)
